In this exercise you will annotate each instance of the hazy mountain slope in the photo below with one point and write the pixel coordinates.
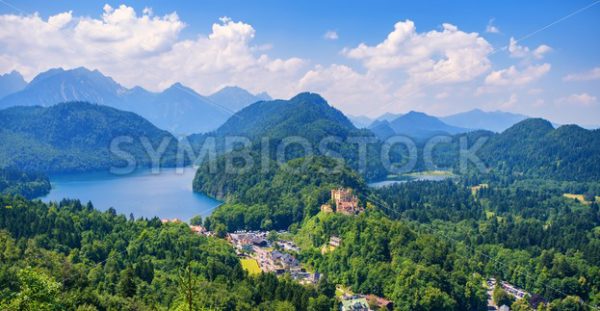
(388, 116)
(382, 129)
(10, 83)
(420, 126)
(496, 121)
(360, 121)
(233, 98)
(180, 110)
(59, 85)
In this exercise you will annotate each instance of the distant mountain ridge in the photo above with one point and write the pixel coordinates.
(417, 125)
(235, 98)
(178, 108)
(496, 121)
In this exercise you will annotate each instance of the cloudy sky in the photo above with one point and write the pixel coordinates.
(539, 58)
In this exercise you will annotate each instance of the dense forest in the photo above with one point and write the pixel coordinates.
(427, 245)
(430, 245)
(69, 256)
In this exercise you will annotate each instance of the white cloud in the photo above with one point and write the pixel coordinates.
(511, 76)
(535, 91)
(593, 74)
(145, 50)
(330, 35)
(510, 103)
(581, 99)
(60, 20)
(490, 28)
(346, 87)
(519, 51)
(539, 103)
(433, 57)
(432, 70)
(442, 95)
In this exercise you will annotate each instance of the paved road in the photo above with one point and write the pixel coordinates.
(490, 303)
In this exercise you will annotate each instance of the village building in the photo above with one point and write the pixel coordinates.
(514, 291)
(380, 303)
(305, 278)
(288, 246)
(355, 304)
(334, 241)
(198, 229)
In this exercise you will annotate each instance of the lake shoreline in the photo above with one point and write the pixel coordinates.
(167, 194)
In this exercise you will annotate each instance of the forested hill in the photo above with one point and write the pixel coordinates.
(278, 197)
(75, 136)
(306, 116)
(533, 148)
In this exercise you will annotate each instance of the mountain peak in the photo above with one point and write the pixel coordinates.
(309, 97)
(418, 125)
(416, 114)
(282, 118)
(59, 85)
(12, 73)
(534, 123)
(177, 85)
(232, 88)
(11, 82)
(236, 98)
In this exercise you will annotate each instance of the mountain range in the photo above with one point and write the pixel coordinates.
(476, 119)
(496, 121)
(531, 147)
(414, 124)
(178, 109)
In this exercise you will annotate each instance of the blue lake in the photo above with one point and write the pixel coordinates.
(423, 177)
(167, 194)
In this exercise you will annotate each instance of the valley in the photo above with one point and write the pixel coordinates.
(304, 223)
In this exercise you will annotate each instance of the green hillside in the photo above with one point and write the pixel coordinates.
(76, 137)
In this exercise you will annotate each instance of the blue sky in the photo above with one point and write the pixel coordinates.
(280, 47)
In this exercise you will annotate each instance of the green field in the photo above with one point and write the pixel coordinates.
(250, 265)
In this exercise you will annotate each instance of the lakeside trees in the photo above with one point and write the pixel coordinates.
(29, 185)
